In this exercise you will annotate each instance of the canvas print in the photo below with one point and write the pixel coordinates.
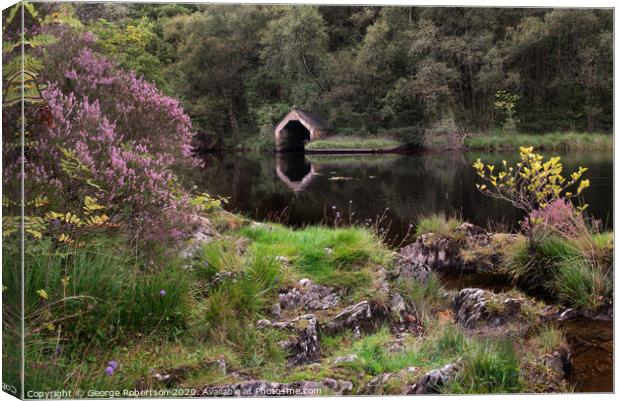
(305, 200)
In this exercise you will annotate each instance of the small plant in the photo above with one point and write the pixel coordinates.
(533, 183)
(507, 102)
(439, 224)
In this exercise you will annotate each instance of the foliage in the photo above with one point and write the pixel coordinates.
(432, 72)
(115, 139)
(343, 257)
(533, 183)
(566, 141)
(507, 103)
(580, 284)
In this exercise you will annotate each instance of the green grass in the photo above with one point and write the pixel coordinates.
(438, 224)
(581, 285)
(342, 257)
(490, 367)
(426, 297)
(576, 271)
(549, 141)
(84, 303)
(352, 142)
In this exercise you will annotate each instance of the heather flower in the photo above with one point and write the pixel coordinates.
(109, 371)
(125, 133)
(112, 364)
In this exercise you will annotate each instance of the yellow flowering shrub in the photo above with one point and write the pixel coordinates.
(533, 183)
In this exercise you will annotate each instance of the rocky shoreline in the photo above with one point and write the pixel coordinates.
(307, 312)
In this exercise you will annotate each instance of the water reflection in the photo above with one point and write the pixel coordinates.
(313, 188)
(295, 171)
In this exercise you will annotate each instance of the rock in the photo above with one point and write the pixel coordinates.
(374, 384)
(345, 359)
(253, 388)
(410, 270)
(492, 313)
(548, 373)
(309, 297)
(398, 308)
(433, 380)
(203, 234)
(303, 347)
(358, 316)
(432, 250)
(276, 310)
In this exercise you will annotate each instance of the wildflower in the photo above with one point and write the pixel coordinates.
(112, 364)
(162, 292)
(109, 371)
(337, 215)
(334, 207)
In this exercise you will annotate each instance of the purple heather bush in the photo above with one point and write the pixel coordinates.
(115, 137)
(559, 216)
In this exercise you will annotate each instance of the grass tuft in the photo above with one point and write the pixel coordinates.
(438, 224)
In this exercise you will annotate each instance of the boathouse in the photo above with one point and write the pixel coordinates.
(298, 127)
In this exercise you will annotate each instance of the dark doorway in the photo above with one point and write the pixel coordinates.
(294, 137)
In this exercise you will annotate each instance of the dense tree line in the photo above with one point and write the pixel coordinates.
(410, 72)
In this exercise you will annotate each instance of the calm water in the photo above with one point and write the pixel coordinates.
(302, 189)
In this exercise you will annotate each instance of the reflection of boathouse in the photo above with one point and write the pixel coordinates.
(295, 171)
(298, 127)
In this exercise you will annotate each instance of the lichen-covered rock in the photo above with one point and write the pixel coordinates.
(406, 269)
(309, 296)
(549, 373)
(432, 250)
(258, 388)
(203, 234)
(492, 313)
(361, 316)
(431, 382)
(303, 346)
(468, 248)
(391, 382)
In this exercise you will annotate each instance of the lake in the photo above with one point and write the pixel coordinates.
(299, 189)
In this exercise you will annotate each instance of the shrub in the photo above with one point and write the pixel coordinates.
(533, 183)
(558, 216)
(115, 138)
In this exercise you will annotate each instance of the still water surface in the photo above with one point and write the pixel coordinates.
(303, 189)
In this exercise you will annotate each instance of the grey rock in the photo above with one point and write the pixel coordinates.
(431, 382)
(303, 347)
(351, 317)
(398, 307)
(345, 359)
(309, 296)
(501, 314)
